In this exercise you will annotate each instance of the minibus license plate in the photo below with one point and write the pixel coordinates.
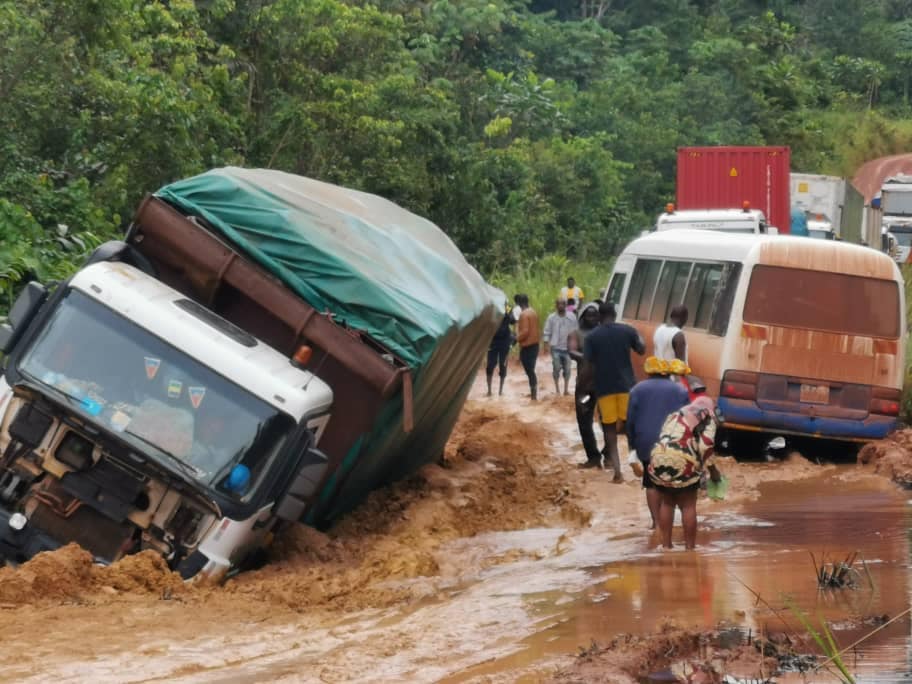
(815, 394)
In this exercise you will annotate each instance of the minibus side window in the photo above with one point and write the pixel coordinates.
(725, 299)
(703, 313)
(701, 293)
(616, 288)
(642, 285)
(695, 291)
(671, 288)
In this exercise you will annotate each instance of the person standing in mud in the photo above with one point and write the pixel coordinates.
(651, 402)
(528, 336)
(607, 349)
(558, 327)
(517, 307)
(684, 451)
(584, 392)
(499, 350)
(669, 342)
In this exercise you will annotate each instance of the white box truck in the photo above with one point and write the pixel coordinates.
(833, 206)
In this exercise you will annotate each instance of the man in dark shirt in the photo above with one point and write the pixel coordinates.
(499, 350)
(608, 351)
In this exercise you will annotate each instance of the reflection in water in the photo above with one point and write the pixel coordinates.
(767, 549)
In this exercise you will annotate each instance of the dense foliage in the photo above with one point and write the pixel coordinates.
(522, 127)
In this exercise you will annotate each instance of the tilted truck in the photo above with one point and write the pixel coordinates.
(896, 208)
(736, 177)
(833, 206)
(260, 348)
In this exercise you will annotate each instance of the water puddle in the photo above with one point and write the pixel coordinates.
(763, 549)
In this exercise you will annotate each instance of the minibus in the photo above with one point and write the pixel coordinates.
(794, 336)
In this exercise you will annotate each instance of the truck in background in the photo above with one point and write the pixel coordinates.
(727, 177)
(896, 207)
(833, 206)
(200, 383)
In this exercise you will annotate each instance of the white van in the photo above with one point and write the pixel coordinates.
(744, 220)
(794, 336)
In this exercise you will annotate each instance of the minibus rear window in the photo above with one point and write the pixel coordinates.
(818, 300)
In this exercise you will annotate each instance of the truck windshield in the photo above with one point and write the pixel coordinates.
(896, 203)
(903, 237)
(154, 396)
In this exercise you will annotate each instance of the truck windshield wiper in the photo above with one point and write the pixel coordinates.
(184, 466)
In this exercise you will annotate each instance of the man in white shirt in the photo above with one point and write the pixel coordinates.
(557, 331)
(669, 342)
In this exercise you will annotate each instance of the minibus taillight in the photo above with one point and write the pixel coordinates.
(884, 401)
(739, 385)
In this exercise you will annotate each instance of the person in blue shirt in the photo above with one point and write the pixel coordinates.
(651, 402)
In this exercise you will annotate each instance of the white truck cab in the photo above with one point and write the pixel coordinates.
(820, 227)
(745, 220)
(133, 418)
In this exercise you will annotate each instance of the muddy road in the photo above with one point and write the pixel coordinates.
(497, 565)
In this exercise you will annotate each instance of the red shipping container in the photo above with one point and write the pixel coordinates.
(726, 177)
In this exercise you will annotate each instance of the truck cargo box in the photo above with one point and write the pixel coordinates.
(836, 199)
(397, 319)
(726, 177)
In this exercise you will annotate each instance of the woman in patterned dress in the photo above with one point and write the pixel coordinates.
(679, 458)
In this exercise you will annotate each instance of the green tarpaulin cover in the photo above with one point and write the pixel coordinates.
(380, 269)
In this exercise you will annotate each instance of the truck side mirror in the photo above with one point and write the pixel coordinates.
(291, 506)
(24, 310)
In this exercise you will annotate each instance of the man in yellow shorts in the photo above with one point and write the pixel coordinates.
(607, 349)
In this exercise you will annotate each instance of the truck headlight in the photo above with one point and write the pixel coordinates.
(17, 521)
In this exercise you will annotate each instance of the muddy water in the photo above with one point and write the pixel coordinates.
(762, 549)
(507, 606)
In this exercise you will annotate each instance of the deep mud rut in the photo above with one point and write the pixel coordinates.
(494, 566)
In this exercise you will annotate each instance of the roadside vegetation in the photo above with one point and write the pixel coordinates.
(524, 128)
(543, 278)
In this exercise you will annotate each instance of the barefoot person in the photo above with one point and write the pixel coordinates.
(498, 351)
(607, 349)
(528, 336)
(683, 452)
(651, 402)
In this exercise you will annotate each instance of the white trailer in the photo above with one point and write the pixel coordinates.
(833, 206)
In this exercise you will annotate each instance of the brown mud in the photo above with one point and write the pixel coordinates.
(890, 457)
(495, 565)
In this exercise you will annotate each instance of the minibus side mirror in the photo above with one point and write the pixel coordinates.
(24, 310)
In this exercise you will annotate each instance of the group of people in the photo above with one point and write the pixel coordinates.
(668, 419)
